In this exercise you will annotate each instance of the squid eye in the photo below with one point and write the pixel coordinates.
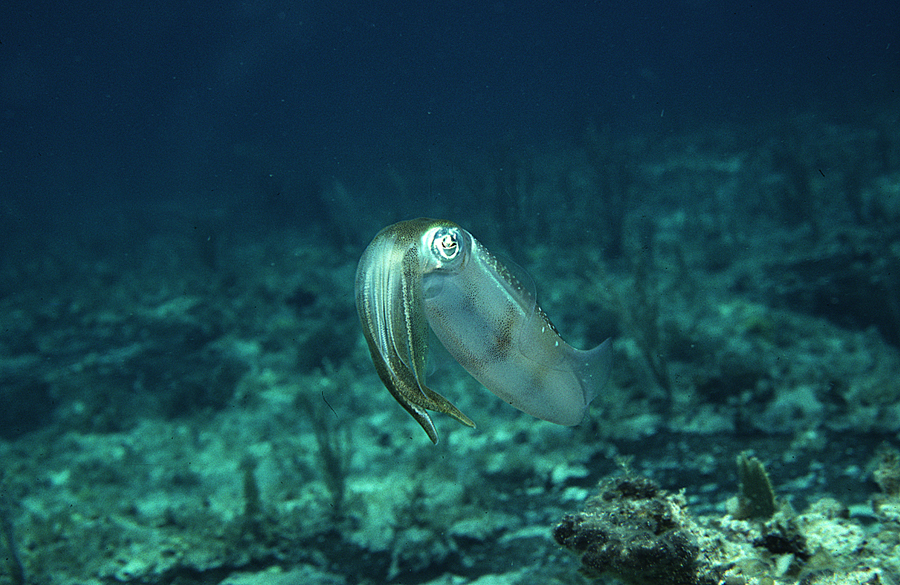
(446, 244)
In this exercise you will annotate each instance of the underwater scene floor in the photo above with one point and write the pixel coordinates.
(186, 397)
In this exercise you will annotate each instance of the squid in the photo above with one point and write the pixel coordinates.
(432, 273)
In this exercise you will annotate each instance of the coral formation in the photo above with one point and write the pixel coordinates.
(756, 498)
(635, 531)
(643, 535)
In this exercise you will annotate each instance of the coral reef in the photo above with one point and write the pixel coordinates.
(756, 499)
(642, 535)
(635, 531)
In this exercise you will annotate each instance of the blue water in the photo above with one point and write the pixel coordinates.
(108, 101)
(185, 190)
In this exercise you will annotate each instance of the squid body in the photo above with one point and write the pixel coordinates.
(427, 272)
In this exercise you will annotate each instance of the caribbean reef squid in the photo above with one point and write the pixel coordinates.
(427, 272)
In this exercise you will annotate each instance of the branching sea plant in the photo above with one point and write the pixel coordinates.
(8, 538)
(639, 308)
(332, 439)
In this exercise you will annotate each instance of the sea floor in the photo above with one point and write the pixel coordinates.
(189, 401)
